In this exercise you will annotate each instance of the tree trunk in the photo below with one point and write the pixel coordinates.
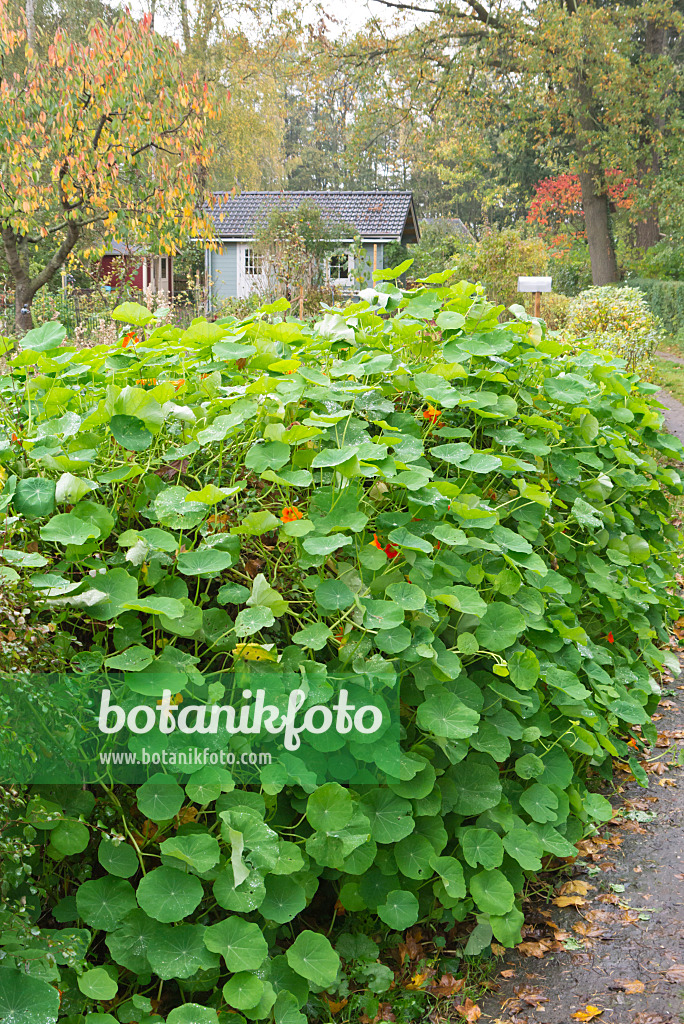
(604, 268)
(26, 287)
(31, 23)
(23, 298)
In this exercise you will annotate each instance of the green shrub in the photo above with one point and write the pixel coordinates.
(665, 299)
(468, 512)
(618, 319)
(439, 245)
(499, 258)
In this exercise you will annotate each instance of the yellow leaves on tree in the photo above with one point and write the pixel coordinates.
(104, 138)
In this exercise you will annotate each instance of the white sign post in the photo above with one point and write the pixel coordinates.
(537, 285)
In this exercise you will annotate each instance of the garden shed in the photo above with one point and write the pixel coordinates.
(232, 265)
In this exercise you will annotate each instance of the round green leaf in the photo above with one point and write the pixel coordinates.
(103, 902)
(413, 856)
(67, 528)
(400, 910)
(268, 455)
(285, 898)
(481, 846)
(475, 786)
(131, 433)
(128, 943)
(45, 337)
(492, 892)
(451, 873)
(192, 1013)
(443, 714)
(26, 1000)
(329, 808)
(97, 984)
(179, 951)
(390, 816)
(132, 313)
(174, 511)
(312, 957)
(199, 852)
(314, 636)
(381, 614)
(34, 496)
(525, 847)
(243, 991)
(160, 798)
(167, 894)
(207, 563)
(333, 595)
(500, 627)
(70, 837)
(540, 802)
(239, 942)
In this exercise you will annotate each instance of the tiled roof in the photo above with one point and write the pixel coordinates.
(374, 215)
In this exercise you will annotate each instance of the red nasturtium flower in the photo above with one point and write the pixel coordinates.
(610, 638)
(391, 551)
(431, 414)
(290, 514)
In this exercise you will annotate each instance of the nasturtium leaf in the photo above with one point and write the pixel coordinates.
(329, 808)
(103, 902)
(243, 990)
(529, 766)
(131, 433)
(174, 511)
(129, 941)
(455, 454)
(256, 523)
(333, 456)
(482, 846)
(132, 313)
(34, 496)
(271, 455)
(413, 856)
(523, 667)
(334, 595)
(507, 927)
(540, 802)
(407, 596)
(525, 847)
(314, 636)
(444, 715)
(389, 815)
(285, 898)
(381, 614)
(597, 807)
(198, 851)
(312, 957)
(477, 785)
(168, 894)
(462, 599)
(500, 627)
(27, 1000)
(193, 1013)
(178, 951)
(97, 984)
(480, 462)
(160, 798)
(208, 562)
(67, 528)
(251, 620)
(450, 871)
(492, 892)
(568, 389)
(239, 942)
(70, 837)
(133, 659)
(400, 909)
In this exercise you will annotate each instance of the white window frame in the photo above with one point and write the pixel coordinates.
(253, 262)
(343, 281)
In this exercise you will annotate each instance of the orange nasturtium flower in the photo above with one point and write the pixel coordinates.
(432, 414)
(291, 513)
(178, 383)
(375, 543)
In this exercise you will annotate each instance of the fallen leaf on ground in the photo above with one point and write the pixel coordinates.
(470, 1011)
(588, 930)
(675, 973)
(649, 1018)
(447, 985)
(507, 974)
(498, 950)
(531, 996)
(569, 901)
(576, 887)
(625, 985)
(538, 949)
(588, 1013)
(335, 1007)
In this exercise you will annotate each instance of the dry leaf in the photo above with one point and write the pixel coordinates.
(335, 1007)
(507, 974)
(417, 981)
(531, 996)
(675, 973)
(588, 1013)
(498, 950)
(447, 985)
(576, 887)
(569, 901)
(538, 949)
(470, 1011)
(624, 985)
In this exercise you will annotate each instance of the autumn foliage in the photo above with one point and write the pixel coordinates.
(557, 206)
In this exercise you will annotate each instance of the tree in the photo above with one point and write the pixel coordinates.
(99, 140)
(571, 75)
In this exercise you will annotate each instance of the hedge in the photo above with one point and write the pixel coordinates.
(666, 299)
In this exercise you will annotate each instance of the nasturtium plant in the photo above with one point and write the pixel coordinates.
(470, 518)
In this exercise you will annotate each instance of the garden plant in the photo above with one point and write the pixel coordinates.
(472, 517)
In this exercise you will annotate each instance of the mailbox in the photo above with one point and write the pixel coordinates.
(537, 285)
(534, 284)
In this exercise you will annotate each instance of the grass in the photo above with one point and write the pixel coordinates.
(671, 377)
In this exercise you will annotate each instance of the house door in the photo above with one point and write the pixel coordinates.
(251, 273)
